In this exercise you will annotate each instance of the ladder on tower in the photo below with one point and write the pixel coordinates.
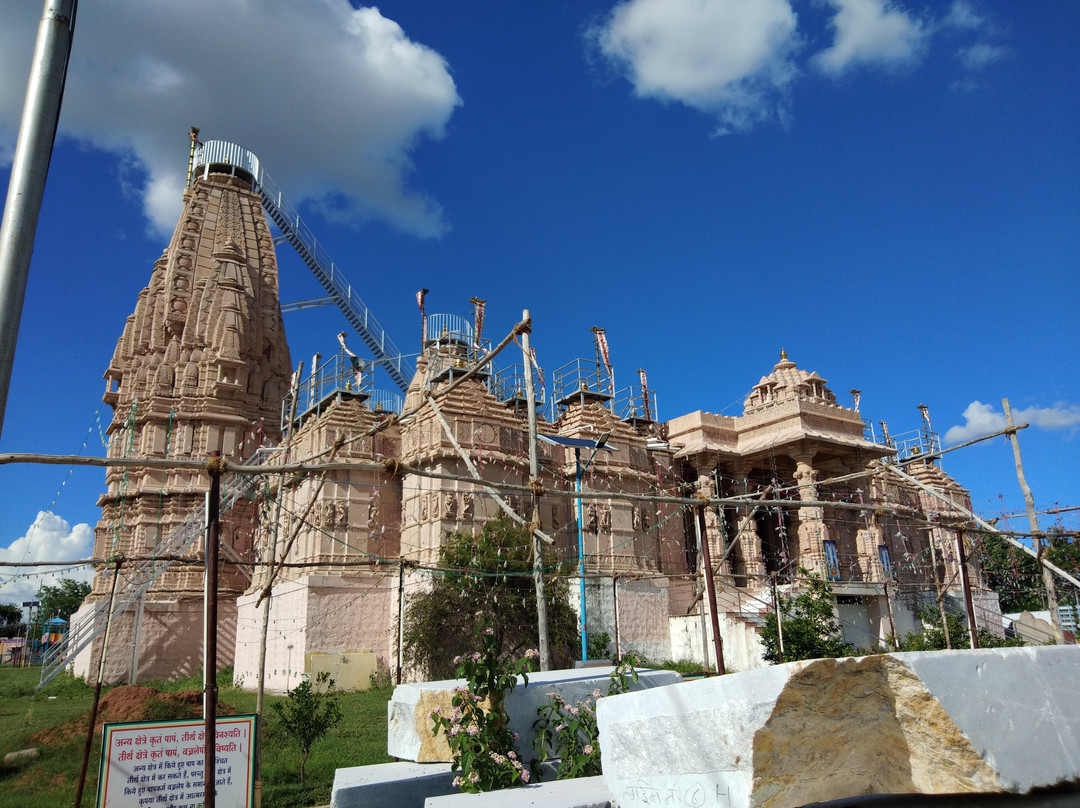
(285, 216)
(139, 576)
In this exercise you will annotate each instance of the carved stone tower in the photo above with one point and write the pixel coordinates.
(202, 366)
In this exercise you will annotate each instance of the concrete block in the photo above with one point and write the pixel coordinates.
(402, 785)
(409, 727)
(990, 721)
(585, 792)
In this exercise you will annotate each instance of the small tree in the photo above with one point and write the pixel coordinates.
(809, 624)
(11, 624)
(486, 582)
(309, 714)
(62, 600)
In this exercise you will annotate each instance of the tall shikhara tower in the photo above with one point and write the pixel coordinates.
(202, 366)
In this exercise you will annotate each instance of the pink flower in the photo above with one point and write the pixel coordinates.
(474, 777)
(596, 693)
(458, 782)
(532, 653)
(574, 711)
(473, 730)
(588, 750)
(489, 631)
(524, 776)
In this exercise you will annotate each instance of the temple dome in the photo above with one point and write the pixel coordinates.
(787, 381)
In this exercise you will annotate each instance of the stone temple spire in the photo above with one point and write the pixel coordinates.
(202, 366)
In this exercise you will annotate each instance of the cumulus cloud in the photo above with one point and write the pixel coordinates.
(982, 419)
(333, 99)
(50, 538)
(729, 58)
(872, 32)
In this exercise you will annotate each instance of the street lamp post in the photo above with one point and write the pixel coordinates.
(579, 471)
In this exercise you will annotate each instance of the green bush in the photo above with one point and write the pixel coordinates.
(308, 714)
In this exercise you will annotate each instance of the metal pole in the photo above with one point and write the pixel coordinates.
(534, 475)
(581, 553)
(401, 618)
(892, 624)
(210, 642)
(961, 556)
(615, 609)
(701, 595)
(29, 169)
(97, 688)
(710, 590)
(1033, 525)
(779, 625)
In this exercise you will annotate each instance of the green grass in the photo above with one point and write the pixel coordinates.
(51, 780)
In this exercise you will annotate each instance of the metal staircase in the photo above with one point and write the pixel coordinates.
(219, 155)
(139, 576)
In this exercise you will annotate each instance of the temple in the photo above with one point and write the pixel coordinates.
(798, 484)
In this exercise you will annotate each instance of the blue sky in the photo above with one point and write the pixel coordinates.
(890, 192)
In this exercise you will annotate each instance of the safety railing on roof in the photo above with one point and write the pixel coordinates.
(636, 404)
(328, 381)
(578, 381)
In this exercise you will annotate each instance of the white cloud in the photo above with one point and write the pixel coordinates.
(982, 419)
(730, 58)
(872, 32)
(977, 56)
(50, 538)
(331, 98)
(963, 15)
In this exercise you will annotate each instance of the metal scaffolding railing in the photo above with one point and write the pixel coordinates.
(139, 576)
(218, 154)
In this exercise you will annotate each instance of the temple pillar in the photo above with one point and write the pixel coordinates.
(870, 538)
(812, 529)
(705, 465)
(746, 535)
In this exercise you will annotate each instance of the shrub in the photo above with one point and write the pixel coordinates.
(569, 732)
(307, 715)
(478, 727)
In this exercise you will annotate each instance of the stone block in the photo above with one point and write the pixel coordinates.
(585, 792)
(989, 721)
(409, 726)
(402, 785)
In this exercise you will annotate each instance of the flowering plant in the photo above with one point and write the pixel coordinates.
(568, 732)
(478, 727)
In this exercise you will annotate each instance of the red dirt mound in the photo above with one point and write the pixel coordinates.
(131, 703)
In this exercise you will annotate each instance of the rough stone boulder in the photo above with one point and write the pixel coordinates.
(409, 710)
(995, 720)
